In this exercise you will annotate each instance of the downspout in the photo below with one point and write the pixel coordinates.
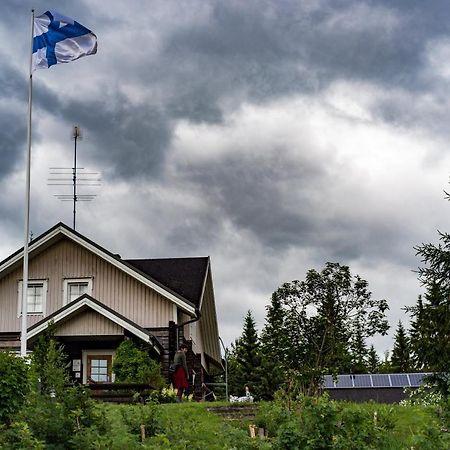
(197, 310)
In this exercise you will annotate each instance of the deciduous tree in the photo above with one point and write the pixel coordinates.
(323, 315)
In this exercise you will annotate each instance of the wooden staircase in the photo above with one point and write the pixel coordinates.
(241, 412)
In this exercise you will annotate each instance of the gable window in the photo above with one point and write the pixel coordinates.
(36, 297)
(76, 287)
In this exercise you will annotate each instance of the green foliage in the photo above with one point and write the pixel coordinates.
(191, 426)
(55, 420)
(401, 353)
(272, 415)
(244, 363)
(373, 361)
(14, 385)
(142, 415)
(273, 341)
(165, 395)
(18, 436)
(430, 325)
(49, 364)
(134, 365)
(322, 324)
(311, 423)
(319, 423)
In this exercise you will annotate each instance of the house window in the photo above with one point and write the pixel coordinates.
(36, 297)
(99, 368)
(74, 288)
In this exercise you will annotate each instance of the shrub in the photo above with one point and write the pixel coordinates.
(57, 421)
(272, 416)
(14, 385)
(166, 395)
(48, 364)
(320, 423)
(142, 415)
(133, 365)
(19, 436)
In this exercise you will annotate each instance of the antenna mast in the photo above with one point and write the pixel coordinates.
(78, 179)
(76, 135)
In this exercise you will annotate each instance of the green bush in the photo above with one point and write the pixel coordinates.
(18, 436)
(48, 364)
(57, 421)
(271, 416)
(14, 385)
(319, 423)
(133, 365)
(142, 415)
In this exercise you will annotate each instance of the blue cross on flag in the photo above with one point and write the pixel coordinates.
(59, 39)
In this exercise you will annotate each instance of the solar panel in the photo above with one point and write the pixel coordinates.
(377, 380)
(362, 381)
(344, 381)
(328, 381)
(416, 379)
(399, 380)
(380, 380)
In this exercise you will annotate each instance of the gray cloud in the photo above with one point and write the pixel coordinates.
(266, 208)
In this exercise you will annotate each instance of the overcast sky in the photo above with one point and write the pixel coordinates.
(273, 136)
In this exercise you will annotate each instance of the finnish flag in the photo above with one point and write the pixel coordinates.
(60, 39)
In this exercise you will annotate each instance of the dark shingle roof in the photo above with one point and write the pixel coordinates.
(184, 276)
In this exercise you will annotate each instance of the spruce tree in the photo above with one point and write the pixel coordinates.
(358, 349)
(401, 353)
(430, 329)
(373, 361)
(431, 337)
(245, 359)
(273, 349)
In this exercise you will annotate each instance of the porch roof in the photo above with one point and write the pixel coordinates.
(87, 302)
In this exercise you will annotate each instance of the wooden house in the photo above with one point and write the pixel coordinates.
(96, 299)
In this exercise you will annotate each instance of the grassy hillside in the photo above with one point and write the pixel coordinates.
(351, 426)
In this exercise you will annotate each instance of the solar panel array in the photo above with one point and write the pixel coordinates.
(375, 380)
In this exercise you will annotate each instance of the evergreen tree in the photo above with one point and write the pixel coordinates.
(373, 361)
(358, 350)
(418, 336)
(273, 349)
(401, 353)
(430, 330)
(49, 364)
(245, 360)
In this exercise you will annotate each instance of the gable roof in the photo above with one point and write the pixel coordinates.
(185, 276)
(174, 291)
(87, 302)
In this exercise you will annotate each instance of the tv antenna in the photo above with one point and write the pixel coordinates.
(78, 178)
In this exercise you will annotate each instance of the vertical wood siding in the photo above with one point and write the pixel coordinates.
(208, 322)
(66, 259)
(89, 323)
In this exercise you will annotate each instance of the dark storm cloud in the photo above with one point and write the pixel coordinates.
(243, 51)
(132, 140)
(266, 49)
(12, 119)
(12, 140)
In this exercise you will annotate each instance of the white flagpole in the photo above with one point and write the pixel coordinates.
(23, 334)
